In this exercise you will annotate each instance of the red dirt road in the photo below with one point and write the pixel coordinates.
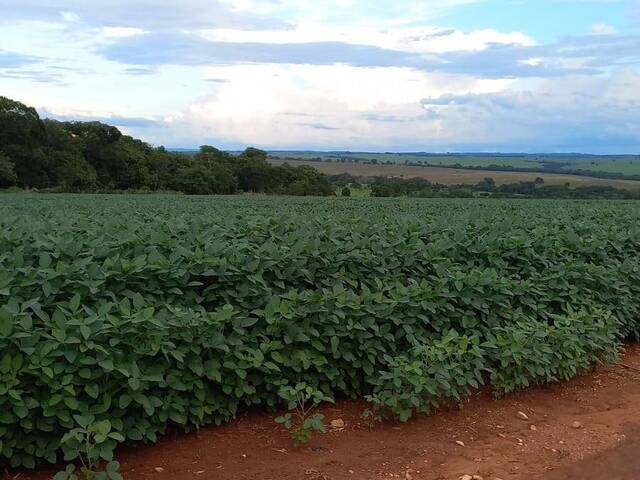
(496, 443)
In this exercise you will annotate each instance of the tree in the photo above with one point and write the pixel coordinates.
(346, 192)
(8, 177)
(486, 185)
(539, 181)
(19, 124)
(255, 153)
(76, 156)
(201, 177)
(71, 171)
(68, 167)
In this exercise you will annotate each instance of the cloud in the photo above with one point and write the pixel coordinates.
(410, 39)
(299, 105)
(569, 114)
(116, 120)
(586, 55)
(573, 113)
(351, 12)
(122, 32)
(139, 71)
(317, 126)
(328, 74)
(184, 49)
(18, 66)
(16, 60)
(35, 75)
(603, 29)
(140, 14)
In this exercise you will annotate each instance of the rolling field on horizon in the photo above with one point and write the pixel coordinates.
(453, 176)
(621, 164)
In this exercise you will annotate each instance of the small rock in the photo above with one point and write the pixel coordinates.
(159, 469)
(522, 416)
(533, 428)
(200, 472)
(466, 477)
(337, 424)
(477, 477)
(351, 472)
(460, 442)
(576, 425)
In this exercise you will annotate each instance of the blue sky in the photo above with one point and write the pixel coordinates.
(404, 75)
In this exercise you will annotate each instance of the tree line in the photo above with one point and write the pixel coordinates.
(52, 155)
(420, 187)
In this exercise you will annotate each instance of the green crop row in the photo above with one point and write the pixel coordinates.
(159, 313)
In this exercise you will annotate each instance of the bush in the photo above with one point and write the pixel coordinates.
(446, 369)
(531, 352)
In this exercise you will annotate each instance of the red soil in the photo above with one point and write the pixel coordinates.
(496, 443)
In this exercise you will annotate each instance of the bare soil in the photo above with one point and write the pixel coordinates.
(588, 429)
(456, 176)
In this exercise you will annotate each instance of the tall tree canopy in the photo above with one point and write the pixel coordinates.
(93, 156)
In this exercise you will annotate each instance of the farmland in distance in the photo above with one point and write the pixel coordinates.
(628, 165)
(454, 176)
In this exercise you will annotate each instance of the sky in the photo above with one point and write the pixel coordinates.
(368, 75)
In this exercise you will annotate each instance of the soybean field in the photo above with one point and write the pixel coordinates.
(135, 315)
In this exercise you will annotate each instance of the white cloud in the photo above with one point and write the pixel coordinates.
(351, 12)
(122, 32)
(410, 39)
(323, 107)
(330, 106)
(147, 14)
(359, 82)
(603, 29)
(70, 17)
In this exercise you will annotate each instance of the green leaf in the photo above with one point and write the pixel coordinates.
(85, 331)
(74, 303)
(6, 322)
(134, 384)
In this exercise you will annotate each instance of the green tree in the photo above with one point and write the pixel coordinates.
(486, 185)
(202, 177)
(68, 167)
(8, 177)
(19, 124)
